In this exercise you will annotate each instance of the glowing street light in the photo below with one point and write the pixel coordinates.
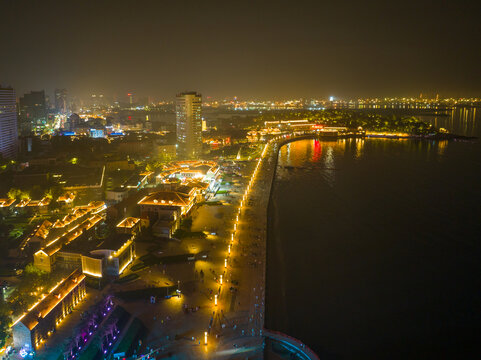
(215, 299)
(205, 337)
(225, 263)
(229, 249)
(220, 280)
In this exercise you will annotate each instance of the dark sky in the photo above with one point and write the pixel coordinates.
(255, 49)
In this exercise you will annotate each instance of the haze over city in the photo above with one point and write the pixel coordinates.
(227, 180)
(249, 49)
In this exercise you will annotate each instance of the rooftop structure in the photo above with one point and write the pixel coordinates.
(32, 328)
(99, 258)
(191, 170)
(128, 222)
(66, 198)
(168, 198)
(138, 181)
(53, 237)
(6, 202)
(165, 208)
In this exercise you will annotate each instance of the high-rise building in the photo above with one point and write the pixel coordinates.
(61, 101)
(72, 122)
(8, 123)
(188, 112)
(33, 112)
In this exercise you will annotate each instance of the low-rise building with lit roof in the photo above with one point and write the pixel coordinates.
(192, 170)
(164, 202)
(52, 237)
(164, 209)
(5, 203)
(99, 257)
(47, 257)
(42, 319)
(129, 225)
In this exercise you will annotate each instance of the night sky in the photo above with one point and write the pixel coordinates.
(247, 49)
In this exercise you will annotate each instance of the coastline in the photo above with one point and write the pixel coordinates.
(274, 303)
(271, 335)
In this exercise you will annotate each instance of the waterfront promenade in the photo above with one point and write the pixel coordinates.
(231, 311)
(228, 313)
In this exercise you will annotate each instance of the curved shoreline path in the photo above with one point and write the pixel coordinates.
(248, 242)
(229, 286)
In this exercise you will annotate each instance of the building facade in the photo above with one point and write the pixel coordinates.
(188, 111)
(33, 113)
(8, 123)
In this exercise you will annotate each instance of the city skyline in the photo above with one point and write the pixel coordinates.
(225, 50)
(251, 179)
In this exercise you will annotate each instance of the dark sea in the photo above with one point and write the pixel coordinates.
(374, 248)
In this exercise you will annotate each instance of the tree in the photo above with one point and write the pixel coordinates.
(5, 322)
(34, 282)
(14, 193)
(32, 270)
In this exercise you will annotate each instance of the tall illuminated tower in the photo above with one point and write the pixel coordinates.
(8, 123)
(188, 112)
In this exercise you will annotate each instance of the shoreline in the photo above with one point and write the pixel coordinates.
(271, 335)
(272, 243)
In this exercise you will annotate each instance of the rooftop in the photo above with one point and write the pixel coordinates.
(6, 202)
(128, 222)
(197, 184)
(165, 198)
(52, 299)
(85, 246)
(43, 230)
(66, 238)
(186, 190)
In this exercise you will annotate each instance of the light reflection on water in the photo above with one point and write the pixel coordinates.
(376, 242)
(460, 121)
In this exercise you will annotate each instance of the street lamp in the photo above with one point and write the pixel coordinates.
(205, 337)
(215, 299)
(229, 249)
(225, 263)
(220, 279)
